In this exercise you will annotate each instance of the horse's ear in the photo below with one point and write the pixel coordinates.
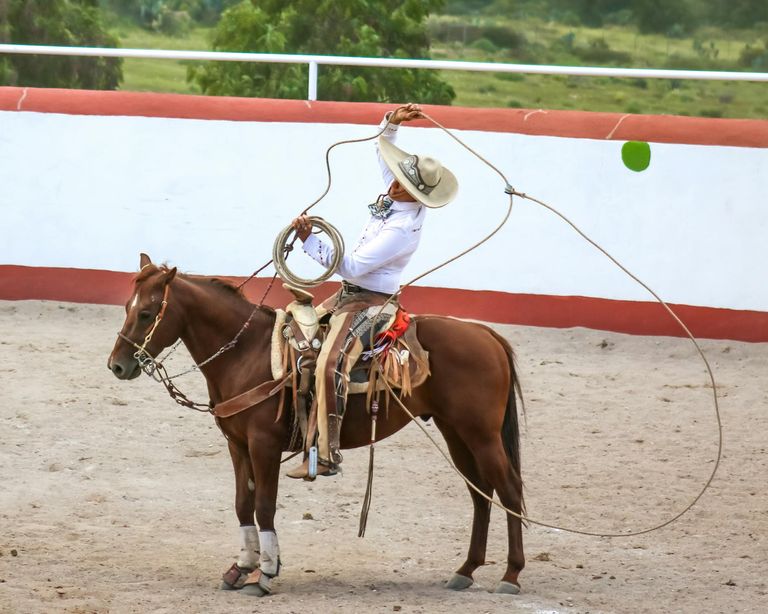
(143, 260)
(170, 275)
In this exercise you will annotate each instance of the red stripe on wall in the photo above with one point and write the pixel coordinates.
(573, 124)
(638, 318)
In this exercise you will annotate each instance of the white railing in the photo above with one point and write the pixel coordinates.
(313, 61)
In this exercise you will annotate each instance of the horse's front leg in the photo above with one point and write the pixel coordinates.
(248, 560)
(265, 465)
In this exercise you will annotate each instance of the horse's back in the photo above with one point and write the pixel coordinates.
(466, 345)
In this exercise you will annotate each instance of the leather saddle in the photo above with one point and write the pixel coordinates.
(404, 362)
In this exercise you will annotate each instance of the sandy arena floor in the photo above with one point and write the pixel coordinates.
(113, 499)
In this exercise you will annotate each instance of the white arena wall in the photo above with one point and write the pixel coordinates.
(90, 179)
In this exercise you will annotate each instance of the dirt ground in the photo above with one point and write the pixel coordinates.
(113, 499)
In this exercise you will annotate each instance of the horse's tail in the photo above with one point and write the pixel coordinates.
(510, 429)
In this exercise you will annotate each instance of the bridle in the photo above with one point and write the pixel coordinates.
(145, 359)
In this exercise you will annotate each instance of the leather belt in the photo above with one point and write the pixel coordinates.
(354, 289)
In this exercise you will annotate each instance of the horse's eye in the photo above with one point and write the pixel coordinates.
(144, 315)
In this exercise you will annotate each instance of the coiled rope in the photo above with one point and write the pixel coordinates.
(282, 248)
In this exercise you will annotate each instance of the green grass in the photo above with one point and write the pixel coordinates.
(544, 46)
(657, 96)
(611, 95)
(142, 75)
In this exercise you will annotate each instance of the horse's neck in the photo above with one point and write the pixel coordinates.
(212, 320)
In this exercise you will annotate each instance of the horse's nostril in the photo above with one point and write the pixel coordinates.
(117, 369)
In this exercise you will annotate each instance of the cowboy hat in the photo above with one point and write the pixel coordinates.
(424, 178)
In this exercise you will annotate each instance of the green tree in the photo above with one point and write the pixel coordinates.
(57, 22)
(5, 36)
(369, 28)
(738, 13)
(151, 13)
(592, 13)
(663, 15)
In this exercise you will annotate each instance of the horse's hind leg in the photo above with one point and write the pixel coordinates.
(496, 470)
(465, 462)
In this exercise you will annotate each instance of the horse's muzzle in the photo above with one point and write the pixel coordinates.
(125, 370)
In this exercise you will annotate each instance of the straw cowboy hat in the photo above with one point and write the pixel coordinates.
(423, 177)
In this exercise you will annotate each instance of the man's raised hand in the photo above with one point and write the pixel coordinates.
(407, 113)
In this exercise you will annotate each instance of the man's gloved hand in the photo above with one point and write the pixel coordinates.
(405, 114)
(303, 227)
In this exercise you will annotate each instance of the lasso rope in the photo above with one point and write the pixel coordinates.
(512, 192)
(281, 249)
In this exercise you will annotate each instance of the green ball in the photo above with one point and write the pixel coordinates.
(636, 155)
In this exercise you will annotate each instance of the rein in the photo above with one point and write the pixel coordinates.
(157, 371)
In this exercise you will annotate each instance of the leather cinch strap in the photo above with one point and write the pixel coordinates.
(249, 398)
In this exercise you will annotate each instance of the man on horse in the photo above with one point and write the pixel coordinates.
(371, 271)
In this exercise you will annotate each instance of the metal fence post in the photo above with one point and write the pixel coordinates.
(312, 93)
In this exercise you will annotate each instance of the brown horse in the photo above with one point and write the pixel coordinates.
(470, 395)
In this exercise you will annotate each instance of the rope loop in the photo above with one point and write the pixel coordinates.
(284, 245)
(508, 189)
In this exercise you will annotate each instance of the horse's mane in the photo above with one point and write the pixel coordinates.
(225, 285)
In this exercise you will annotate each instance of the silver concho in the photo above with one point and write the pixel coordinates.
(410, 166)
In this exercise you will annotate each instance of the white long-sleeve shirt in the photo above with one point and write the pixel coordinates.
(385, 246)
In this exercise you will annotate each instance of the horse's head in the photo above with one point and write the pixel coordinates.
(149, 326)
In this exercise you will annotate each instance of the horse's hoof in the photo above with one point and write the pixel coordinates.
(507, 588)
(459, 582)
(257, 584)
(254, 590)
(234, 577)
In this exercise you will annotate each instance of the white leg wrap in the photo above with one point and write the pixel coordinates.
(249, 552)
(270, 553)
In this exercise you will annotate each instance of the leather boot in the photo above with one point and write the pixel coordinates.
(302, 471)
